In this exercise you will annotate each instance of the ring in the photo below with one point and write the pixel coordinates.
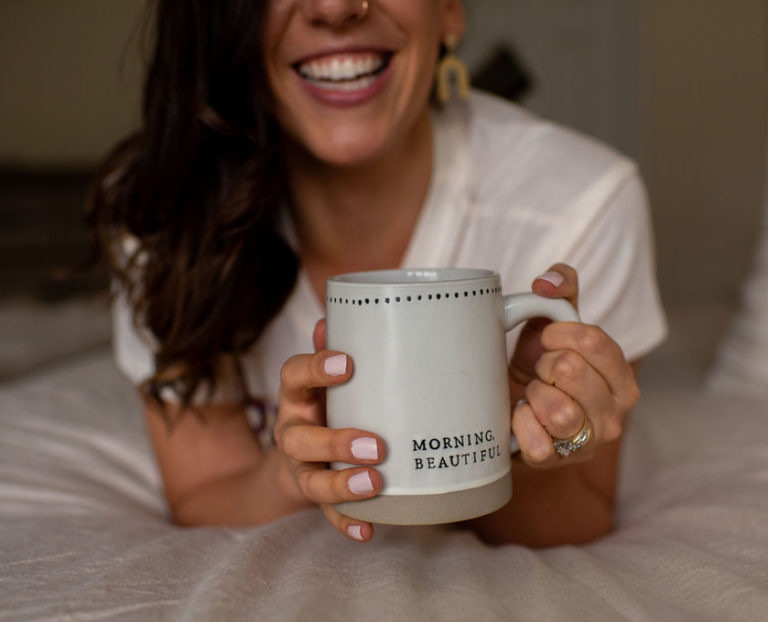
(566, 446)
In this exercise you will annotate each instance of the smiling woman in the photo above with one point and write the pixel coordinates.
(288, 141)
(359, 86)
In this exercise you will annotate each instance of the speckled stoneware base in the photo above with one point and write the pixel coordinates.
(450, 507)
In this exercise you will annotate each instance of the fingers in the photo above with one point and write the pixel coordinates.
(303, 373)
(584, 376)
(322, 485)
(537, 443)
(534, 441)
(310, 447)
(301, 435)
(569, 388)
(326, 487)
(299, 431)
(350, 527)
(559, 414)
(601, 353)
(313, 443)
(560, 281)
(571, 372)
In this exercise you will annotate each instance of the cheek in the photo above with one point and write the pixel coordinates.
(275, 32)
(421, 75)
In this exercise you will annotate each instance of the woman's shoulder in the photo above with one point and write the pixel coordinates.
(521, 159)
(507, 131)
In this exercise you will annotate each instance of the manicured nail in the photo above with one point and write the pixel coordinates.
(336, 365)
(365, 448)
(360, 483)
(356, 532)
(555, 278)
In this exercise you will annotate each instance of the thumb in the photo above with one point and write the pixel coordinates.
(560, 281)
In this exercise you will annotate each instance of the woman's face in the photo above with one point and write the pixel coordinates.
(349, 84)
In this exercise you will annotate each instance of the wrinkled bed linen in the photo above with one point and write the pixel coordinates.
(83, 534)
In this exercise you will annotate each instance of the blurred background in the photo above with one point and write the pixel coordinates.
(679, 85)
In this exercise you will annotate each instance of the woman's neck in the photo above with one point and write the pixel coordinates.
(359, 218)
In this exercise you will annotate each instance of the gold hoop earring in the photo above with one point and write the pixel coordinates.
(451, 70)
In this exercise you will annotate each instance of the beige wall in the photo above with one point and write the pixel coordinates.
(583, 55)
(682, 85)
(705, 131)
(68, 85)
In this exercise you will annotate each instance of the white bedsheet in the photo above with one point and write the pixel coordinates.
(83, 534)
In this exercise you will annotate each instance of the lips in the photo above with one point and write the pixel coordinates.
(348, 72)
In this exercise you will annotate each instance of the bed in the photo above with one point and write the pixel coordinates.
(84, 536)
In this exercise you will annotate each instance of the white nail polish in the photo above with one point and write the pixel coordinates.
(365, 448)
(360, 483)
(335, 365)
(355, 532)
(555, 278)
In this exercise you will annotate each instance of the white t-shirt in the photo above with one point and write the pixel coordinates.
(509, 192)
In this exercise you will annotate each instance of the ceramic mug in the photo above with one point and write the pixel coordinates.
(430, 378)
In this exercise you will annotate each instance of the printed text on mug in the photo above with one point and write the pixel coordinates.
(473, 448)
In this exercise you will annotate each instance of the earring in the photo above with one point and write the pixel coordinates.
(451, 70)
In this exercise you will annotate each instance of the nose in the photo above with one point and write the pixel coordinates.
(334, 12)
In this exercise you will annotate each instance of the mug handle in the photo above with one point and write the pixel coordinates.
(521, 307)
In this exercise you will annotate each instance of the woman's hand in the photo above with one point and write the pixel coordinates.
(301, 434)
(564, 375)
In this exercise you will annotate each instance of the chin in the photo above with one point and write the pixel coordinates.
(348, 154)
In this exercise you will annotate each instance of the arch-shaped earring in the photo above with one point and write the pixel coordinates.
(451, 70)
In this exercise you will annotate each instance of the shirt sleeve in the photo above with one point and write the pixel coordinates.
(615, 260)
(133, 348)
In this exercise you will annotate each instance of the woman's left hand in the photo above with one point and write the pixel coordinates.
(565, 375)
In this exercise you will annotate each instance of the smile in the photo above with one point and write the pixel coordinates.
(347, 72)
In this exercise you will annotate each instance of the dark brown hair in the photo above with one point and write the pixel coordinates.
(199, 188)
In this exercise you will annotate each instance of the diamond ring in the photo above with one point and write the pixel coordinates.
(566, 446)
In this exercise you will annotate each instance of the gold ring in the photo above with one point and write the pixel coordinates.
(566, 446)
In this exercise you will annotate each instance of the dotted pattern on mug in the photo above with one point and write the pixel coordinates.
(412, 298)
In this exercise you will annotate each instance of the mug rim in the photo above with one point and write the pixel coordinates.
(412, 276)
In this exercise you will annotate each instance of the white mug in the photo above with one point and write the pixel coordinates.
(430, 378)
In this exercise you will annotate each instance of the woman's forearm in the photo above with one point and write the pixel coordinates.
(550, 508)
(252, 496)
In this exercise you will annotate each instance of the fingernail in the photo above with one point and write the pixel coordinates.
(335, 365)
(356, 532)
(555, 278)
(360, 483)
(365, 448)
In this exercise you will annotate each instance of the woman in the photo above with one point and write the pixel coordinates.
(291, 140)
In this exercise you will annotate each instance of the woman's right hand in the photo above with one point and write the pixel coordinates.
(301, 434)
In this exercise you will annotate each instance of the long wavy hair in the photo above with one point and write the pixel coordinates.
(185, 210)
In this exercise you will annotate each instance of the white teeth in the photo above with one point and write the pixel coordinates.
(345, 85)
(341, 69)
